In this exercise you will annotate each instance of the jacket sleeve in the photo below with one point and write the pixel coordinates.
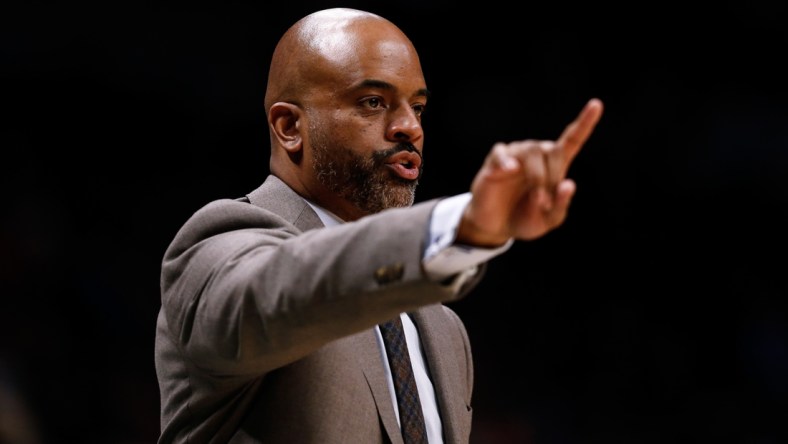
(245, 292)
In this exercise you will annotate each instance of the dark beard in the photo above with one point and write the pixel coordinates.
(366, 182)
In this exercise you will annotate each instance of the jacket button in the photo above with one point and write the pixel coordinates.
(390, 273)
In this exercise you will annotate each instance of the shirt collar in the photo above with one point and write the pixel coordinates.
(328, 218)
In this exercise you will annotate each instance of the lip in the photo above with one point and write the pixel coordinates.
(405, 164)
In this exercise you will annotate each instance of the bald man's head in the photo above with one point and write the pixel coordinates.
(344, 101)
(323, 44)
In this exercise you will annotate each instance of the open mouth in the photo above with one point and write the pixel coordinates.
(405, 164)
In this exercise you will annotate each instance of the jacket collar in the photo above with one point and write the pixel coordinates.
(274, 195)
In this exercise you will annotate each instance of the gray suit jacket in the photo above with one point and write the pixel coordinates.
(266, 328)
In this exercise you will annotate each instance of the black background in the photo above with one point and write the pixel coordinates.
(655, 314)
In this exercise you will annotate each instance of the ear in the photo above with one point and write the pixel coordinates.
(283, 119)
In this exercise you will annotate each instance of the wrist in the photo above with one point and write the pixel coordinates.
(469, 233)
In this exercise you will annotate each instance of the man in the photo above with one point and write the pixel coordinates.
(268, 330)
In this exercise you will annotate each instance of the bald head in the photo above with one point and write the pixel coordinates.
(344, 101)
(323, 42)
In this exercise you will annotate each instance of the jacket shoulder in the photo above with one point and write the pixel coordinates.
(223, 216)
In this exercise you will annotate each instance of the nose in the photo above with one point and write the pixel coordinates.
(405, 125)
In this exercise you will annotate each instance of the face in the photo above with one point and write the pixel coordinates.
(364, 136)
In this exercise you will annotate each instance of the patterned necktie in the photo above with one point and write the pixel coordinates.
(410, 415)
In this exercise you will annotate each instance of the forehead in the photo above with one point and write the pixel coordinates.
(395, 62)
(353, 53)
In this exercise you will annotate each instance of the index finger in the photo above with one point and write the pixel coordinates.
(576, 133)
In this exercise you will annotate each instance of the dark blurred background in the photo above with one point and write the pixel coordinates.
(656, 314)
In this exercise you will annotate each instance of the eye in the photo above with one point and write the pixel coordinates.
(419, 109)
(372, 102)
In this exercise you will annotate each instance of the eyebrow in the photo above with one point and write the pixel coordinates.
(380, 84)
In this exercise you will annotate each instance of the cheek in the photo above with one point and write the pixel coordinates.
(359, 135)
(368, 131)
(344, 129)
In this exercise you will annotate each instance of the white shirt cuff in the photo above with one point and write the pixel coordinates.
(443, 258)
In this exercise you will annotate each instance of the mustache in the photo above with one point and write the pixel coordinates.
(380, 156)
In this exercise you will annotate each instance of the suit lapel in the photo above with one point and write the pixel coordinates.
(370, 360)
(435, 340)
